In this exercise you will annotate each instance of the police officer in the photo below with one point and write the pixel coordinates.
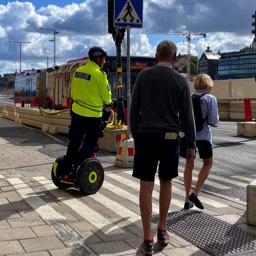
(90, 93)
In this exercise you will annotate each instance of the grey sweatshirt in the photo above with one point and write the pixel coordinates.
(161, 103)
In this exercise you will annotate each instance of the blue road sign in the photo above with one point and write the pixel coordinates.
(128, 13)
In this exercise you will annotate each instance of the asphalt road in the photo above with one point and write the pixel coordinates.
(234, 161)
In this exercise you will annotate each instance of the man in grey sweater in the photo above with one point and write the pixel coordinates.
(160, 106)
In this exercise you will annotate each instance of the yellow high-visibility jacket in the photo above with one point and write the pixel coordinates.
(90, 90)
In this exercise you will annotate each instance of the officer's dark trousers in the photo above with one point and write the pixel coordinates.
(84, 135)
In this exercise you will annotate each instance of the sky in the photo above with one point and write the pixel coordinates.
(84, 23)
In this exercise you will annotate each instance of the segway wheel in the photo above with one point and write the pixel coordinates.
(56, 172)
(90, 176)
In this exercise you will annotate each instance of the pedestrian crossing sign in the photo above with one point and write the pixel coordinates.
(128, 13)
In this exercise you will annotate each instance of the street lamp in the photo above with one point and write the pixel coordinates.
(55, 32)
(19, 42)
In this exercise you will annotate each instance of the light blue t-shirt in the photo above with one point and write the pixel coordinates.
(209, 107)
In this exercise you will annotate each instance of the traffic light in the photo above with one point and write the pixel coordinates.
(254, 24)
(117, 33)
(111, 28)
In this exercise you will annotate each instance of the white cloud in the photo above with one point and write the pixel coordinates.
(227, 24)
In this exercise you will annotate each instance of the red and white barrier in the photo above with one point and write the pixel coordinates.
(125, 154)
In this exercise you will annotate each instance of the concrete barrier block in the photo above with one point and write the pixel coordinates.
(251, 204)
(247, 129)
(32, 123)
(112, 138)
(240, 128)
(52, 129)
(45, 127)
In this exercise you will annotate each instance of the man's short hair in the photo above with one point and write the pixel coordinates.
(166, 49)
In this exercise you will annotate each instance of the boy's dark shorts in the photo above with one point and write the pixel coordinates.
(152, 148)
(204, 148)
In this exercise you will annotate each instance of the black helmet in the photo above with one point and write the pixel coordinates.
(96, 52)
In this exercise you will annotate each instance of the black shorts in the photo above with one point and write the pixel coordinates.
(151, 149)
(204, 148)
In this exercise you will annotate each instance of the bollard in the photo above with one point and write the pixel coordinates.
(247, 110)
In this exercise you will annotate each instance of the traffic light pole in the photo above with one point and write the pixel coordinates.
(128, 79)
(119, 83)
(254, 31)
(118, 35)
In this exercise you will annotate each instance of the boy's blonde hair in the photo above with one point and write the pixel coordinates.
(202, 81)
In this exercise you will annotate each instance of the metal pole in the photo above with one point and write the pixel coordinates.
(54, 48)
(55, 32)
(20, 43)
(128, 79)
(119, 83)
(20, 56)
(188, 56)
(118, 66)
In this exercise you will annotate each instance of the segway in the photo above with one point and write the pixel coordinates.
(87, 175)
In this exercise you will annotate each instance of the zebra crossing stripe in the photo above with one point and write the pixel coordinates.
(175, 190)
(121, 192)
(39, 205)
(136, 186)
(208, 182)
(242, 178)
(220, 178)
(213, 184)
(228, 180)
(112, 205)
(203, 199)
(80, 208)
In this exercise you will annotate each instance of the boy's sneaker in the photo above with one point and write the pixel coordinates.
(162, 237)
(147, 247)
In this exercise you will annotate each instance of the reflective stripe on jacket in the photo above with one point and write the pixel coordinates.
(90, 90)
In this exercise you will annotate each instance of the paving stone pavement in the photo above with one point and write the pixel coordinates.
(37, 219)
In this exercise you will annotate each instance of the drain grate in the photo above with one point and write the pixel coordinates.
(209, 233)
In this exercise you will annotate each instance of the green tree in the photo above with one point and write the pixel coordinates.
(193, 65)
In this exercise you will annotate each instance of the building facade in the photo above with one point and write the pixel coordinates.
(237, 65)
(208, 63)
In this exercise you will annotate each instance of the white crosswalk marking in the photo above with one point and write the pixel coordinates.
(83, 210)
(111, 184)
(218, 178)
(136, 186)
(121, 210)
(203, 199)
(242, 178)
(228, 180)
(40, 206)
(208, 182)
(175, 190)
(125, 194)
